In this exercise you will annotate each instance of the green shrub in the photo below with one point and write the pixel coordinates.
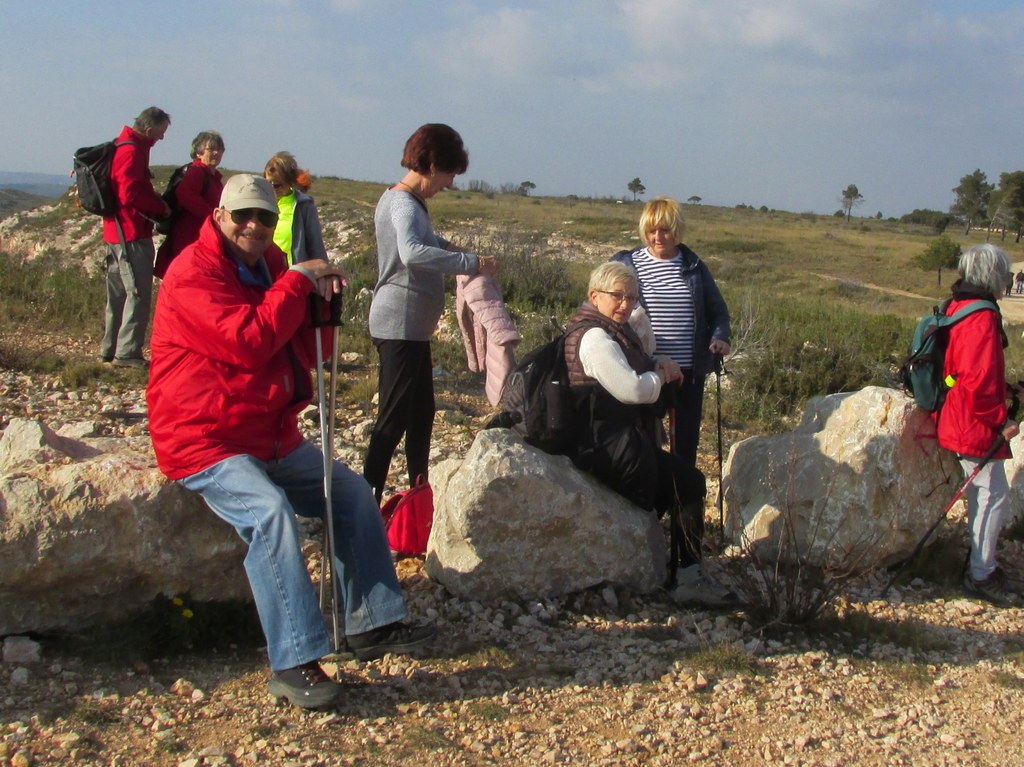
(789, 351)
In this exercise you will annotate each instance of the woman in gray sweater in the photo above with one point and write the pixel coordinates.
(409, 298)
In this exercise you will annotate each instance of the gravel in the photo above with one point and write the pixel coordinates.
(602, 677)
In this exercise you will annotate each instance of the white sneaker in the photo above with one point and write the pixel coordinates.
(694, 586)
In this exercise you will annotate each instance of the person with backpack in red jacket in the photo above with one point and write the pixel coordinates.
(196, 195)
(973, 418)
(128, 233)
(233, 345)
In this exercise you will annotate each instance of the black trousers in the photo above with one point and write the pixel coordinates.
(406, 391)
(689, 407)
(625, 459)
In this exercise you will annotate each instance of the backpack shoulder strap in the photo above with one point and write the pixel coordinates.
(971, 308)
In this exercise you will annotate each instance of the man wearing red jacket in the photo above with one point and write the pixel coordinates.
(128, 234)
(973, 419)
(232, 348)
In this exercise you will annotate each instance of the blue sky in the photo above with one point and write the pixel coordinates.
(765, 102)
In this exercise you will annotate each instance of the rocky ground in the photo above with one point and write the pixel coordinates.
(601, 678)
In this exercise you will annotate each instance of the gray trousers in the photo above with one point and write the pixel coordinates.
(988, 499)
(129, 297)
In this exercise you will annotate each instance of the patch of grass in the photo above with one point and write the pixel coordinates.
(907, 673)
(1007, 680)
(721, 659)
(418, 738)
(94, 713)
(13, 357)
(488, 711)
(941, 562)
(856, 629)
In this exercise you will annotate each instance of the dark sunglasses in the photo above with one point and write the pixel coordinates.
(245, 215)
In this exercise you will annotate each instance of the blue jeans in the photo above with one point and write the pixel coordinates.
(260, 500)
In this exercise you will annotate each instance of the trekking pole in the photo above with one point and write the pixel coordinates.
(1015, 392)
(327, 407)
(719, 372)
(675, 532)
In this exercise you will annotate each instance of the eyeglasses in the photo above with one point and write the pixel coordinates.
(245, 215)
(621, 297)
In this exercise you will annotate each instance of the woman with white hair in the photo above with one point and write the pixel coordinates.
(973, 419)
(618, 385)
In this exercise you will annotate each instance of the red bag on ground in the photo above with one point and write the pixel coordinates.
(407, 518)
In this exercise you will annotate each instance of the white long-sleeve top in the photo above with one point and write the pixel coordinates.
(602, 359)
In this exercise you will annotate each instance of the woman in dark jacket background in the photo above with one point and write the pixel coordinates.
(688, 315)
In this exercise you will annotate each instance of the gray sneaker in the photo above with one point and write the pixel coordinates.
(994, 589)
(694, 586)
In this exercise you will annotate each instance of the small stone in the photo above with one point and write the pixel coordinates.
(19, 649)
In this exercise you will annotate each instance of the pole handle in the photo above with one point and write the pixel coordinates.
(316, 311)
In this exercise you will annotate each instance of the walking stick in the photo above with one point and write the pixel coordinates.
(1000, 441)
(719, 372)
(675, 524)
(327, 409)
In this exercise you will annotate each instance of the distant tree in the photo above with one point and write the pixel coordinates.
(636, 187)
(695, 200)
(936, 219)
(1011, 202)
(573, 199)
(482, 187)
(972, 197)
(942, 253)
(526, 187)
(851, 196)
(878, 215)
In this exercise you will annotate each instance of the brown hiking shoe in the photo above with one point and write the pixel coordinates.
(994, 589)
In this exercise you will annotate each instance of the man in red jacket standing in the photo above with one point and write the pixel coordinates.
(128, 234)
(232, 347)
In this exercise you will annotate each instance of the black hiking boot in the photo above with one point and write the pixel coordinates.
(399, 638)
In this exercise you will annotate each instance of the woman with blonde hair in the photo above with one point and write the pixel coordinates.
(688, 315)
(298, 231)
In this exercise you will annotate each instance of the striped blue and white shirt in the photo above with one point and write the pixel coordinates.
(670, 305)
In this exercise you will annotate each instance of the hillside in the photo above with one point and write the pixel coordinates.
(14, 200)
(604, 677)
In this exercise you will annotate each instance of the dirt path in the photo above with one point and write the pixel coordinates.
(1012, 307)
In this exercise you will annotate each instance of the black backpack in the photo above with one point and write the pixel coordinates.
(538, 402)
(921, 371)
(92, 177)
(170, 196)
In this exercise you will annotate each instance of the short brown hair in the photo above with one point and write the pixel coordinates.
(435, 146)
(207, 139)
